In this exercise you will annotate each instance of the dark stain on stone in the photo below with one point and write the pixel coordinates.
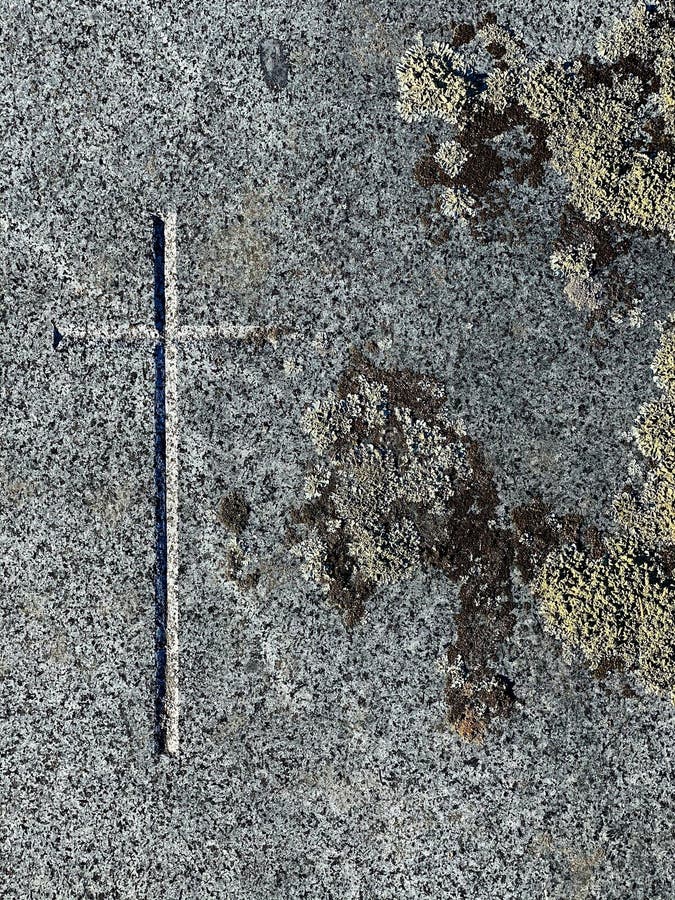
(233, 512)
(274, 63)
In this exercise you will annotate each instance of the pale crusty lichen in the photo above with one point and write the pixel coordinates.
(492, 34)
(369, 482)
(431, 82)
(450, 157)
(574, 260)
(330, 419)
(311, 553)
(457, 204)
(621, 603)
(582, 289)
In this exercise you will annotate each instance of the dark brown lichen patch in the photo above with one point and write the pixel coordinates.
(537, 533)
(463, 33)
(399, 489)
(476, 691)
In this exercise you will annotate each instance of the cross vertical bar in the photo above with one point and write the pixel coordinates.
(171, 446)
(158, 248)
(166, 511)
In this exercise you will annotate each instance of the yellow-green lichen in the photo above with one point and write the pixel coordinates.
(621, 603)
(646, 195)
(583, 600)
(655, 429)
(665, 69)
(589, 134)
(606, 125)
(547, 90)
(650, 516)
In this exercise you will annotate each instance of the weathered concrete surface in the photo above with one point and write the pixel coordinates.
(314, 762)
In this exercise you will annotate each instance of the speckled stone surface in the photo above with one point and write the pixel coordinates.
(315, 762)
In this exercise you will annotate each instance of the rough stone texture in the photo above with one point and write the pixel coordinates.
(315, 762)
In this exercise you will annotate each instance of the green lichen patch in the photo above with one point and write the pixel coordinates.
(398, 489)
(621, 605)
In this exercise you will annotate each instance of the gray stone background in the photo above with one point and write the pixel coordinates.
(315, 763)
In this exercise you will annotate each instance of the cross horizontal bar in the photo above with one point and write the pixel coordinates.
(182, 334)
(186, 333)
(125, 333)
